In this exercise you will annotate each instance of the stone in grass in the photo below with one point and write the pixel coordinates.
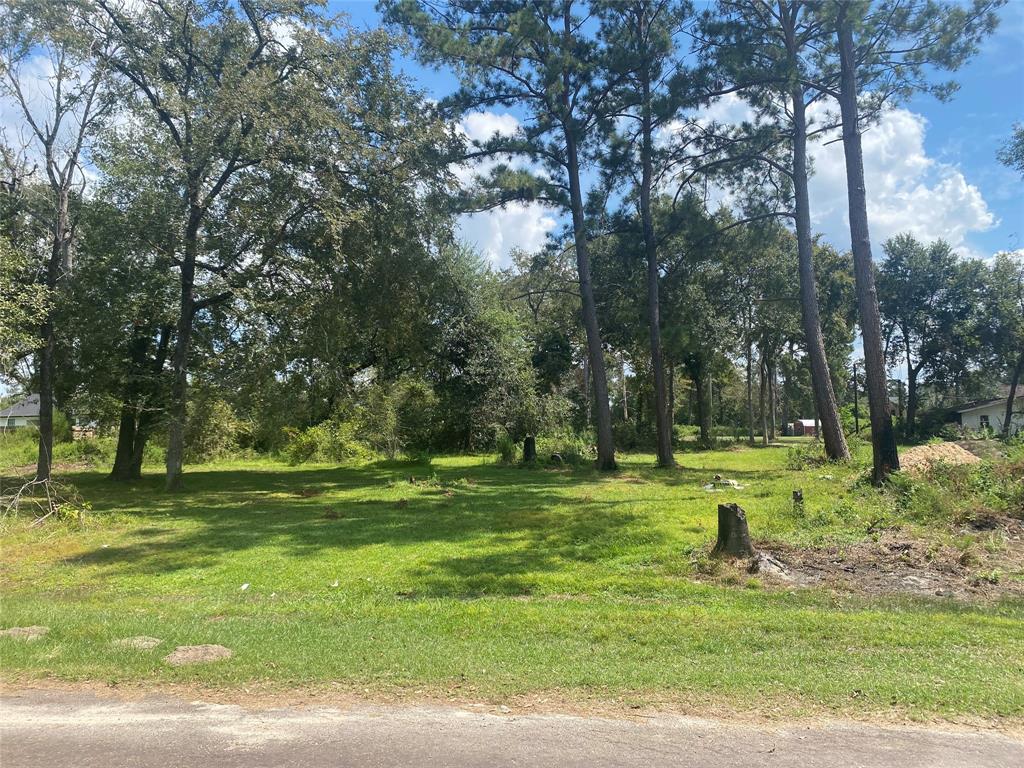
(139, 643)
(197, 654)
(24, 633)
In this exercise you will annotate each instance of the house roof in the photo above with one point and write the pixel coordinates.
(805, 422)
(976, 405)
(29, 407)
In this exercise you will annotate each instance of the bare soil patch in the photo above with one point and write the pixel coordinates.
(25, 633)
(139, 643)
(197, 654)
(897, 563)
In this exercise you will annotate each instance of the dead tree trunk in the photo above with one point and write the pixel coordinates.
(733, 534)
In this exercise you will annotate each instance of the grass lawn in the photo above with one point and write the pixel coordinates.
(479, 580)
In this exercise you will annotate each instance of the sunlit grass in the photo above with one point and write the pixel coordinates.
(494, 580)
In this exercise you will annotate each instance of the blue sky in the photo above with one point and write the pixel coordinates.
(930, 166)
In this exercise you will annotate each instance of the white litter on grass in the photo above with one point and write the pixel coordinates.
(335, 584)
(244, 587)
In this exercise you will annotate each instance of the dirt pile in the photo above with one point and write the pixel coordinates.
(921, 458)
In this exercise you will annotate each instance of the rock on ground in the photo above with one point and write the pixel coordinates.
(197, 654)
(24, 633)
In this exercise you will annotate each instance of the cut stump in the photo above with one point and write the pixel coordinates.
(733, 534)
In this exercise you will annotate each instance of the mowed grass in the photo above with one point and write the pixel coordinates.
(471, 579)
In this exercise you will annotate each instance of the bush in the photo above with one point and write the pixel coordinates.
(329, 441)
(212, 431)
(804, 456)
(574, 449)
(508, 449)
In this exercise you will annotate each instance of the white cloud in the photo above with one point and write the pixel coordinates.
(496, 233)
(480, 126)
(907, 190)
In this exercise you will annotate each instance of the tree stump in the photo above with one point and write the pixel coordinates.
(530, 448)
(733, 534)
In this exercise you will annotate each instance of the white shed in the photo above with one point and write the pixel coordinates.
(990, 414)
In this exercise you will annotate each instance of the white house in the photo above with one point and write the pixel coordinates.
(24, 413)
(990, 414)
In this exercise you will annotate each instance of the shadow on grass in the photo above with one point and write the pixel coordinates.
(506, 523)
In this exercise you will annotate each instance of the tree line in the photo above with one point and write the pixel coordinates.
(246, 203)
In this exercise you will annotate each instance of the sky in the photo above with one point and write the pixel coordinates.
(930, 167)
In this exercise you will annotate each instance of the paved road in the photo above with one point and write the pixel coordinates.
(50, 728)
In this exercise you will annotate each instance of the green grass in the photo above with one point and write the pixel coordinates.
(483, 580)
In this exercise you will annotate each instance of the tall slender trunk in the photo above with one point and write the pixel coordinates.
(671, 402)
(179, 360)
(595, 350)
(702, 384)
(773, 404)
(909, 426)
(625, 393)
(763, 400)
(821, 379)
(1008, 416)
(885, 458)
(750, 386)
(44, 460)
(60, 250)
(661, 412)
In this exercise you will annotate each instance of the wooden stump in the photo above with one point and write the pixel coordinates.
(530, 448)
(733, 535)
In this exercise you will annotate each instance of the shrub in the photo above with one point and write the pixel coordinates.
(574, 449)
(212, 430)
(507, 448)
(804, 456)
(329, 441)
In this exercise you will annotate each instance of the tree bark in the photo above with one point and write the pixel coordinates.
(661, 413)
(595, 349)
(59, 256)
(885, 458)
(750, 386)
(772, 400)
(179, 360)
(763, 401)
(909, 426)
(733, 533)
(702, 383)
(1008, 420)
(821, 378)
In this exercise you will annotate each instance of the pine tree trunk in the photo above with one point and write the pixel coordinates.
(750, 387)
(763, 402)
(702, 382)
(821, 379)
(1008, 419)
(595, 350)
(772, 400)
(885, 458)
(661, 411)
